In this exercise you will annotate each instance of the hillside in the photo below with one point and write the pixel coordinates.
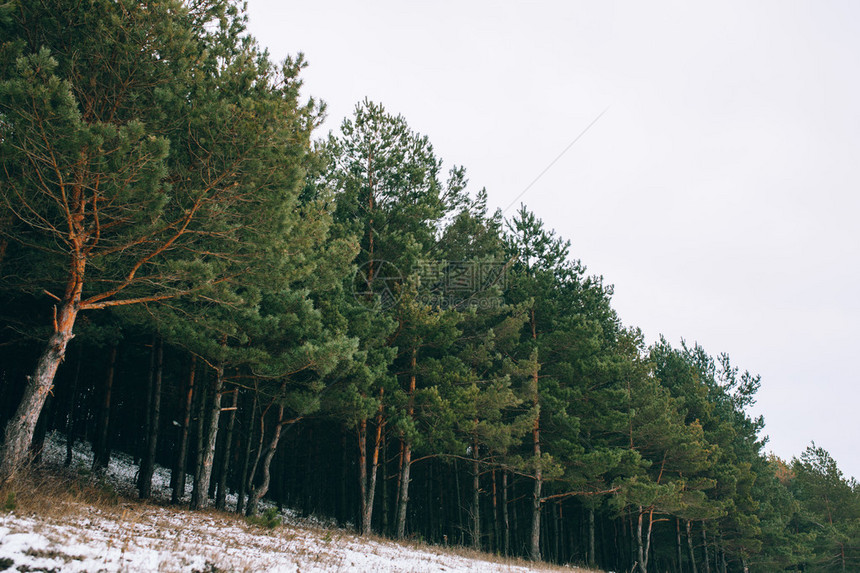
(68, 520)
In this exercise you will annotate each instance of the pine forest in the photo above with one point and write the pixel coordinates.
(191, 274)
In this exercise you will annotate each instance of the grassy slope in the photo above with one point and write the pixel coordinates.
(66, 519)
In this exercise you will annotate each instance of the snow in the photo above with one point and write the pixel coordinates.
(138, 537)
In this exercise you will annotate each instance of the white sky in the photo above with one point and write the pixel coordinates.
(718, 193)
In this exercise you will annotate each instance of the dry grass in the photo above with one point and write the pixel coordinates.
(68, 495)
(56, 494)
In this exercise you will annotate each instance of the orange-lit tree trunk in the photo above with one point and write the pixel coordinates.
(20, 428)
(368, 483)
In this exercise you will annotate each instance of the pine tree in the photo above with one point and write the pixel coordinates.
(149, 154)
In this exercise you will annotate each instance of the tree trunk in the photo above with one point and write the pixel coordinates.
(705, 547)
(678, 545)
(246, 457)
(506, 526)
(147, 464)
(143, 445)
(200, 438)
(534, 552)
(404, 490)
(257, 493)
(199, 498)
(101, 453)
(73, 409)
(642, 550)
(22, 425)
(407, 454)
(690, 546)
(592, 558)
(221, 496)
(364, 518)
(386, 510)
(368, 488)
(178, 476)
(496, 533)
(476, 497)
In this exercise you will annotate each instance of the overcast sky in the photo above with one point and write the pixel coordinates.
(718, 192)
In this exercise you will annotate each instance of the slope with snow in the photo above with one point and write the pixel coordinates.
(71, 536)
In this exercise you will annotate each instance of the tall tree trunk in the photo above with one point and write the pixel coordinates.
(200, 438)
(246, 456)
(506, 526)
(364, 525)
(368, 486)
(678, 544)
(221, 496)
(404, 491)
(534, 552)
(407, 454)
(497, 538)
(258, 492)
(476, 496)
(73, 412)
(386, 510)
(344, 464)
(642, 548)
(690, 546)
(20, 428)
(199, 499)
(592, 558)
(178, 476)
(142, 445)
(101, 453)
(705, 548)
(147, 464)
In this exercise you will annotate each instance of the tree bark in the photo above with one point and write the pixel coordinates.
(592, 558)
(147, 464)
(407, 454)
(690, 546)
(476, 497)
(200, 438)
(641, 548)
(496, 533)
(221, 496)
(705, 548)
(101, 453)
(199, 499)
(22, 425)
(368, 483)
(246, 456)
(534, 552)
(178, 477)
(73, 409)
(404, 490)
(506, 526)
(258, 492)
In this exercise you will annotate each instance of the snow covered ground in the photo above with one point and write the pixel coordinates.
(66, 535)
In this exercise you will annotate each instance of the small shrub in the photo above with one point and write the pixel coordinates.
(5, 563)
(209, 567)
(269, 519)
(9, 504)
